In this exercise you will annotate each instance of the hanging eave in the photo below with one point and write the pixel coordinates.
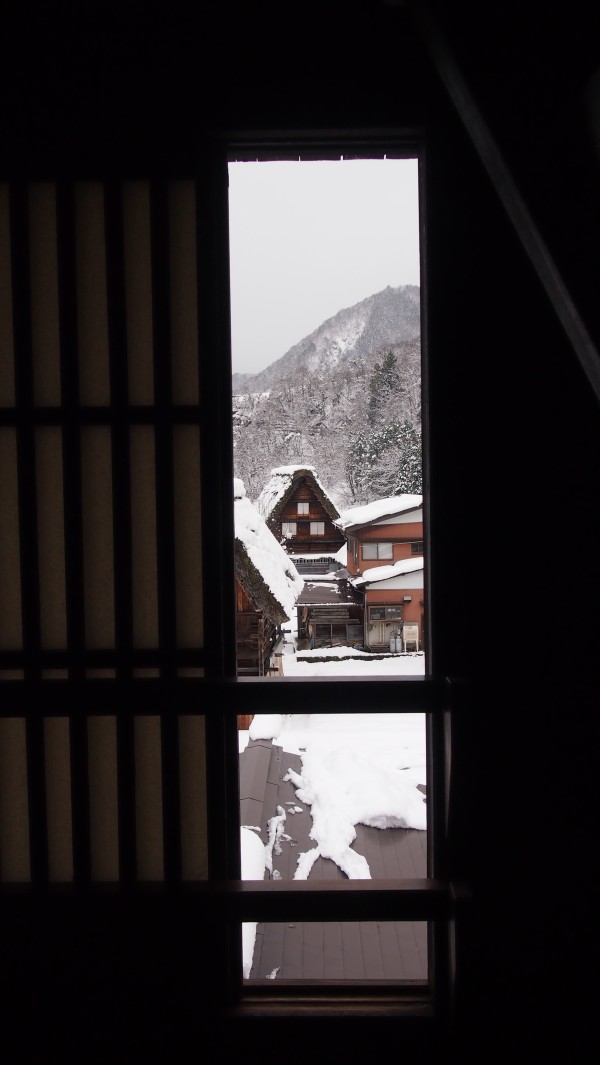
(255, 587)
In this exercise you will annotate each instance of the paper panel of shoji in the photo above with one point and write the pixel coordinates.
(143, 535)
(11, 637)
(183, 291)
(138, 292)
(192, 775)
(148, 798)
(58, 799)
(188, 544)
(7, 362)
(43, 257)
(51, 537)
(104, 827)
(96, 478)
(92, 308)
(14, 809)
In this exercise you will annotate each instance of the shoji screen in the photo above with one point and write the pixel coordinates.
(101, 553)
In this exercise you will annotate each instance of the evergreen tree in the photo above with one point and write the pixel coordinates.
(358, 425)
(385, 462)
(384, 386)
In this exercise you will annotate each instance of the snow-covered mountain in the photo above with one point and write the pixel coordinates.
(345, 400)
(388, 317)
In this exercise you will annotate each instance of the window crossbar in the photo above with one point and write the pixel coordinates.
(216, 698)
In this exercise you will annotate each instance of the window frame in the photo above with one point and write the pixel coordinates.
(385, 607)
(432, 898)
(377, 545)
(175, 689)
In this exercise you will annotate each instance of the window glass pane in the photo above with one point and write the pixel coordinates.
(378, 550)
(329, 796)
(327, 419)
(377, 951)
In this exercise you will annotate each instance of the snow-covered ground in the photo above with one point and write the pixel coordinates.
(346, 662)
(356, 768)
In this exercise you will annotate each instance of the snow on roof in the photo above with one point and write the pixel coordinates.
(289, 471)
(379, 508)
(266, 555)
(322, 591)
(312, 556)
(342, 555)
(383, 573)
(280, 484)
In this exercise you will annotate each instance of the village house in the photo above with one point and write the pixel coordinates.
(300, 514)
(267, 586)
(330, 611)
(393, 605)
(385, 561)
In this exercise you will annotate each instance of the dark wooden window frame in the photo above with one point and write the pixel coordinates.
(435, 899)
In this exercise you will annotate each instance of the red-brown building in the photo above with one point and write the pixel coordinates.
(394, 615)
(385, 559)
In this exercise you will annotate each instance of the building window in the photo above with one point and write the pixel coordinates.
(288, 528)
(416, 547)
(372, 551)
(385, 613)
(303, 508)
(317, 528)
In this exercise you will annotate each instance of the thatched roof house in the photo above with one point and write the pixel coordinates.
(268, 585)
(281, 486)
(299, 512)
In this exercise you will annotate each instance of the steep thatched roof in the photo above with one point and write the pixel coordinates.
(265, 572)
(255, 586)
(280, 487)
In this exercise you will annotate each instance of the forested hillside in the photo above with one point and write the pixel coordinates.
(335, 402)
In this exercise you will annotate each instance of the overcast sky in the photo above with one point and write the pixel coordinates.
(310, 238)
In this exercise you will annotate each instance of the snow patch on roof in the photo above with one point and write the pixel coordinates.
(342, 555)
(274, 565)
(383, 573)
(289, 471)
(379, 508)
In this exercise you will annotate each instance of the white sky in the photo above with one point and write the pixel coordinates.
(308, 239)
(356, 768)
